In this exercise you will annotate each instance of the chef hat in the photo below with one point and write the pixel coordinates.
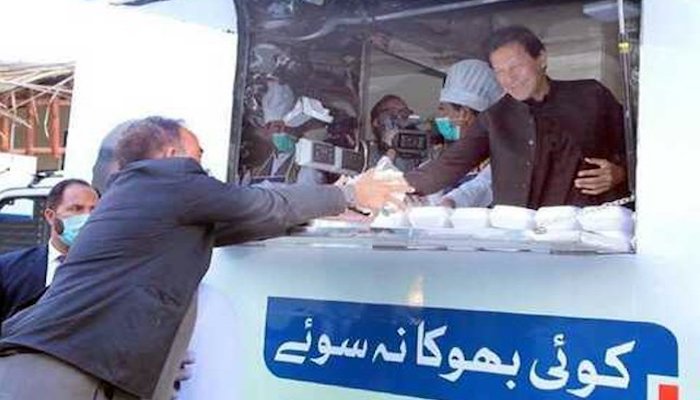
(471, 83)
(277, 101)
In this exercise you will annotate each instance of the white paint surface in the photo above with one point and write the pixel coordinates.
(156, 67)
(657, 285)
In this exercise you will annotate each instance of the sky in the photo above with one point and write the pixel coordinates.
(59, 28)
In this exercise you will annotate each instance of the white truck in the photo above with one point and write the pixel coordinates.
(389, 315)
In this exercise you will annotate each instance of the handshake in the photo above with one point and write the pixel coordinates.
(375, 189)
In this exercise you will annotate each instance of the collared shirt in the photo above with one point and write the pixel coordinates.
(53, 261)
(475, 192)
(280, 163)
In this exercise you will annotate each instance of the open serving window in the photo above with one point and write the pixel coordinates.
(316, 72)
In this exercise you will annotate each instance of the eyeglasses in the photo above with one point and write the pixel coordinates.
(392, 112)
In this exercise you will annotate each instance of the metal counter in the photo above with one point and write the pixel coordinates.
(451, 239)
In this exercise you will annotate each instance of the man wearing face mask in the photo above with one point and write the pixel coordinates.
(280, 165)
(106, 326)
(25, 274)
(470, 88)
(550, 142)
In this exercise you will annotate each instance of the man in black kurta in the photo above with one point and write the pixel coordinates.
(550, 142)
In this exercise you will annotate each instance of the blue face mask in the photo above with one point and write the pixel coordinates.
(284, 142)
(71, 228)
(447, 129)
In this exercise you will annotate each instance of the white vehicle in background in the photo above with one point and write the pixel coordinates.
(22, 196)
(388, 315)
(16, 170)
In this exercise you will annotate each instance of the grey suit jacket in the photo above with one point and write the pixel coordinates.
(116, 303)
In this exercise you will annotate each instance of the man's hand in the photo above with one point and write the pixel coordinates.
(374, 190)
(599, 180)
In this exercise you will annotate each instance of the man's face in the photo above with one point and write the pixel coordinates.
(190, 145)
(273, 127)
(392, 116)
(461, 116)
(517, 71)
(77, 199)
(395, 108)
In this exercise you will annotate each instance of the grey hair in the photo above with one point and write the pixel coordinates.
(144, 138)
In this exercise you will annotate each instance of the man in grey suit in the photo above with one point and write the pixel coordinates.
(105, 327)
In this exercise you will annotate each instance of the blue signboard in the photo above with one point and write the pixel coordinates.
(436, 353)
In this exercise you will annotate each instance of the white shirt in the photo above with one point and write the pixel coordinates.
(474, 193)
(52, 263)
(278, 160)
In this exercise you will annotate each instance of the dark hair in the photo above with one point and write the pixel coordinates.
(106, 163)
(514, 34)
(55, 197)
(144, 138)
(459, 107)
(379, 108)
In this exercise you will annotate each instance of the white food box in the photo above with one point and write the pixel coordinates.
(395, 219)
(512, 217)
(305, 109)
(429, 217)
(470, 218)
(557, 218)
(606, 218)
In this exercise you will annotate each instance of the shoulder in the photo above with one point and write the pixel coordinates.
(161, 177)
(9, 260)
(163, 168)
(505, 103)
(582, 85)
(577, 83)
(506, 107)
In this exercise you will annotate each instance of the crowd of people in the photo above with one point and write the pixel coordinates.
(105, 309)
